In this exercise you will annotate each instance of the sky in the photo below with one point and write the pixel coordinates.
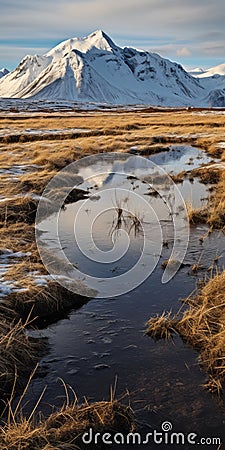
(191, 32)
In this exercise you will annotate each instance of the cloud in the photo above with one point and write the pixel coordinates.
(176, 26)
(184, 51)
(11, 55)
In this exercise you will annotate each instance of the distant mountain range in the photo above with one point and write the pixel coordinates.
(212, 72)
(95, 69)
(3, 72)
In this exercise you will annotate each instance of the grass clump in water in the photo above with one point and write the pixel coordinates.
(161, 327)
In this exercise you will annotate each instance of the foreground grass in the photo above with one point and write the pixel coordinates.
(202, 325)
(64, 429)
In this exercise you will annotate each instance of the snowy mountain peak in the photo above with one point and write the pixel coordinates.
(96, 40)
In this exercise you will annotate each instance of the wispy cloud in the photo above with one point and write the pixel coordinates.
(184, 51)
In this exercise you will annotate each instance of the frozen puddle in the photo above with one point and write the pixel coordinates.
(181, 158)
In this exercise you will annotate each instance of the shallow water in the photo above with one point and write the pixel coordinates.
(180, 158)
(104, 340)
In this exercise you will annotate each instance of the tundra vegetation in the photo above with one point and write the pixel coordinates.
(28, 161)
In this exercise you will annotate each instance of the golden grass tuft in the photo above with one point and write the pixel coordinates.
(64, 429)
(18, 354)
(217, 209)
(197, 215)
(161, 327)
(179, 178)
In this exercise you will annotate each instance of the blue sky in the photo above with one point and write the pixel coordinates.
(191, 32)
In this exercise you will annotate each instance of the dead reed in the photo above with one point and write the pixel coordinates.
(18, 354)
(64, 429)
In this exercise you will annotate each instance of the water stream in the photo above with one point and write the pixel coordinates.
(104, 340)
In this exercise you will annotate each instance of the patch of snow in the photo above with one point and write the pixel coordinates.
(221, 144)
(41, 132)
(7, 259)
(18, 169)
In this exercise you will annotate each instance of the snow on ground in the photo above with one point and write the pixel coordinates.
(7, 259)
(5, 132)
(17, 169)
(221, 144)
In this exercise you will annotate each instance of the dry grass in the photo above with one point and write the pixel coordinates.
(126, 120)
(19, 309)
(44, 303)
(148, 131)
(202, 325)
(161, 327)
(64, 429)
(18, 210)
(217, 211)
(18, 354)
(179, 178)
(18, 236)
(208, 175)
(214, 213)
(197, 215)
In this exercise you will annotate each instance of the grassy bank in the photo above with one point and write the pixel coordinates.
(214, 213)
(202, 325)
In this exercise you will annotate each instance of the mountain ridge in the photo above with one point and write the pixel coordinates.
(94, 68)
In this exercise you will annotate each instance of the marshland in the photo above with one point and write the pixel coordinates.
(115, 362)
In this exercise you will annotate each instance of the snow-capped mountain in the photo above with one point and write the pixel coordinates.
(95, 69)
(3, 72)
(213, 81)
(217, 70)
(196, 71)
